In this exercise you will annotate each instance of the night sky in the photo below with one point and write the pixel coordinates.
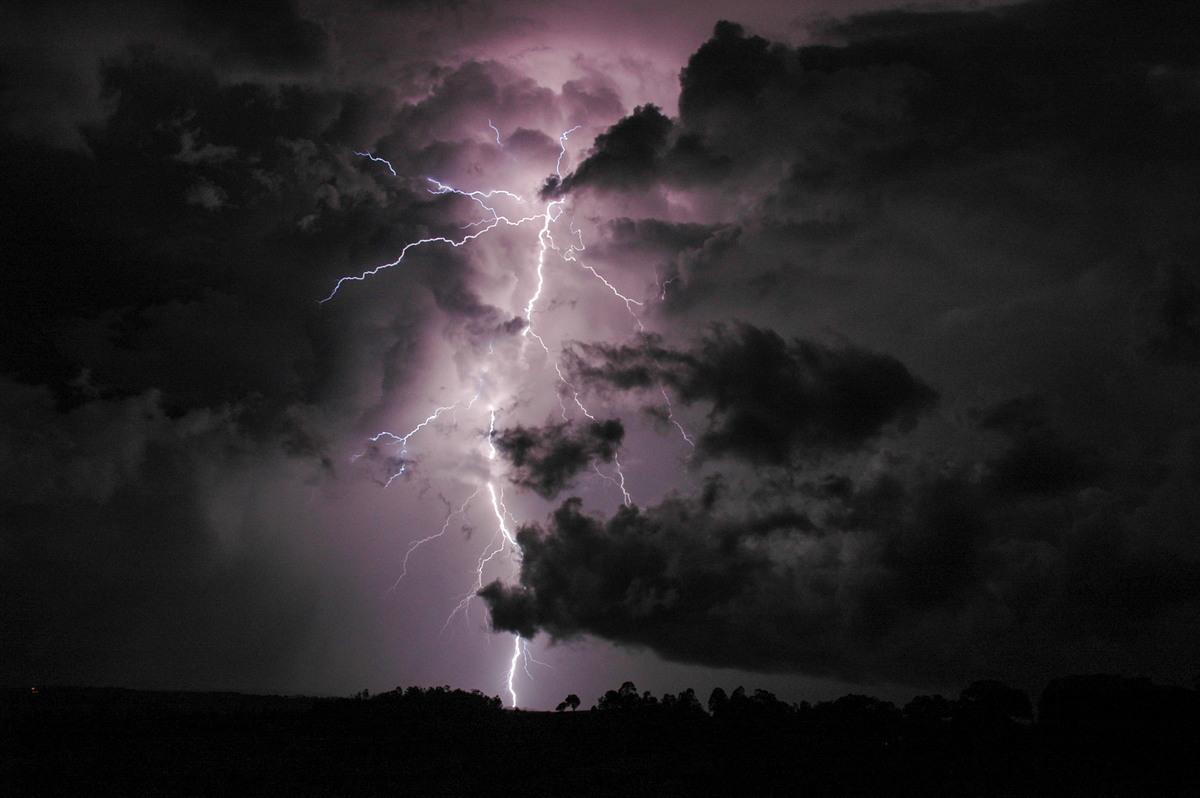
(839, 347)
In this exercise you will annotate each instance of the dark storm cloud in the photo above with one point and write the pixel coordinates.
(1040, 458)
(625, 157)
(1043, 462)
(589, 99)
(1094, 65)
(121, 564)
(656, 236)
(545, 459)
(740, 97)
(1000, 196)
(1169, 315)
(729, 70)
(270, 35)
(923, 577)
(219, 190)
(771, 400)
(462, 99)
(668, 250)
(52, 54)
(897, 91)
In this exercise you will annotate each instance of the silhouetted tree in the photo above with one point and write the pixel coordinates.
(861, 717)
(609, 701)
(929, 712)
(1113, 706)
(718, 701)
(442, 700)
(626, 697)
(1133, 726)
(688, 703)
(572, 701)
(762, 705)
(991, 703)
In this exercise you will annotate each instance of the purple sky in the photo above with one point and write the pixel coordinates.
(889, 320)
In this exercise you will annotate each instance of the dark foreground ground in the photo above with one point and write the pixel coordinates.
(73, 741)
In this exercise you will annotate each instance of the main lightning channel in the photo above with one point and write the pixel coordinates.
(490, 219)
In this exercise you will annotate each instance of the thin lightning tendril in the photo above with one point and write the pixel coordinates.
(419, 543)
(673, 420)
(562, 149)
(486, 226)
(528, 658)
(493, 549)
(621, 477)
(569, 254)
(402, 440)
(383, 161)
(663, 296)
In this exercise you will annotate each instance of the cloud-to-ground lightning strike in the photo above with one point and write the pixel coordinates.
(491, 218)
(503, 535)
(512, 668)
(494, 548)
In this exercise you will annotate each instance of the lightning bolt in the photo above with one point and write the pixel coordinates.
(512, 668)
(618, 481)
(569, 254)
(673, 420)
(485, 225)
(545, 244)
(562, 149)
(419, 543)
(383, 161)
(493, 549)
(488, 203)
(402, 441)
(663, 295)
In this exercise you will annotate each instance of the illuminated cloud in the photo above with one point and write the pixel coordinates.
(911, 575)
(546, 459)
(772, 401)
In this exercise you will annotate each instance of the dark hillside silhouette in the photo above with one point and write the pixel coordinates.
(1091, 735)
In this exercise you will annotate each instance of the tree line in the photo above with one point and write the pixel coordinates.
(1087, 705)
